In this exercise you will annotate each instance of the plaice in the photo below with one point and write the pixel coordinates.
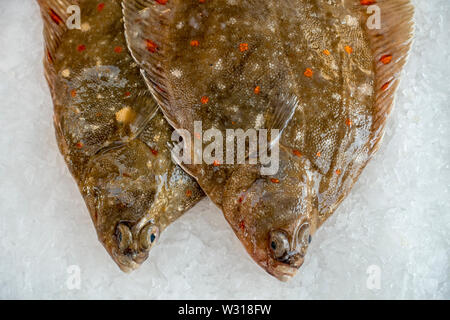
(110, 132)
(226, 63)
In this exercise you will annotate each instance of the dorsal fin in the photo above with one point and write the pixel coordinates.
(390, 47)
(146, 24)
(54, 15)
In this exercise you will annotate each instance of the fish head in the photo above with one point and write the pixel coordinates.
(272, 215)
(128, 248)
(119, 190)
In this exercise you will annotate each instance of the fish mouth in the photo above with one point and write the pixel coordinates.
(287, 267)
(284, 272)
(129, 261)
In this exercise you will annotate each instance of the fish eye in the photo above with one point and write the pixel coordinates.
(278, 243)
(148, 236)
(124, 236)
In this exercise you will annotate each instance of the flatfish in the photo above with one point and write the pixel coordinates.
(110, 131)
(227, 64)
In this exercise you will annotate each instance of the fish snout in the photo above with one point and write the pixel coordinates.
(289, 252)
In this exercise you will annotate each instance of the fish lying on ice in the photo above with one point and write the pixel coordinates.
(110, 131)
(229, 64)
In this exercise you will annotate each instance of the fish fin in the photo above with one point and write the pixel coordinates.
(146, 22)
(149, 110)
(390, 47)
(54, 16)
(284, 106)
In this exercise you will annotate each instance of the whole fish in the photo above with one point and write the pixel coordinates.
(109, 130)
(231, 64)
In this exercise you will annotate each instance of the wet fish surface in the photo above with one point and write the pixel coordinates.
(110, 131)
(229, 63)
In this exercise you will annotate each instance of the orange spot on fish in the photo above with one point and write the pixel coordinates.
(242, 225)
(205, 100)
(348, 122)
(100, 7)
(195, 43)
(308, 73)
(57, 19)
(73, 93)
(257, 90)
(163, 2)
(118, 49)
(216, 163)
(385, 86)
(297, 153)
(79, 145)
(386, 59)
(318, 154)
(243, 47)
(49, 57)
(326, 52)
(127, 93)
(154, 152)
(275, 180)
(367, 2)
(151, 46)
(348, 49)
(338, 171)
(197, 135)
(160, 89)
(188, 193)
(81, 48)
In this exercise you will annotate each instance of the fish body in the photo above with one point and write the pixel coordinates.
(110, 131)
(229, 63)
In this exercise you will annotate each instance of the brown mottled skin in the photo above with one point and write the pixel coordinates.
(123, 168)
(278, 46)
